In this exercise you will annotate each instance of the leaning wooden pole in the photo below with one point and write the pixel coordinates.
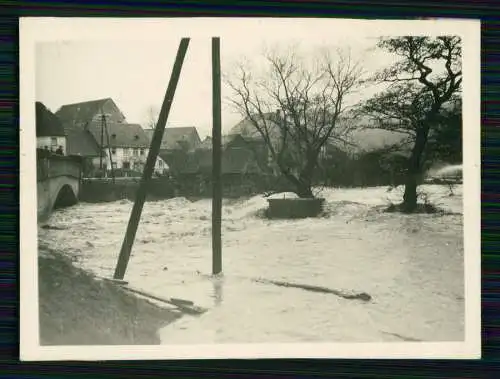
(154, 149)
(216, 160)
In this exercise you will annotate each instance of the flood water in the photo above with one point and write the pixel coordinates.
(411, 265)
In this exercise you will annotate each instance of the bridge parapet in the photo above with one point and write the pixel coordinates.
(58, 182)
(53, 166)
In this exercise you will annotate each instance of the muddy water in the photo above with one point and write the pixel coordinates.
(412, 267)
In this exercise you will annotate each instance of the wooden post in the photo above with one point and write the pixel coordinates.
(216, 159)
(102, 148)
(109, 147)
(135, 215)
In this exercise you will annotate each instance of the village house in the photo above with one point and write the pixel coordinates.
(186, 154)
(79, 114)
(254, 140)
(178, 138)
(50, 134)
(239, 155)
(176, 145)
(128, 145)
(81, 143)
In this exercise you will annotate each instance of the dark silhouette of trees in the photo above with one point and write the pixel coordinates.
(445, 140)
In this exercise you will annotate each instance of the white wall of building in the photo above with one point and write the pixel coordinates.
(135, 157)
(52, 143)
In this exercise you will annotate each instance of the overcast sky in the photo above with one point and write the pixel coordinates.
(135, 71)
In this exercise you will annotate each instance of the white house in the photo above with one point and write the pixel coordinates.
(92, 136)
(126, 144)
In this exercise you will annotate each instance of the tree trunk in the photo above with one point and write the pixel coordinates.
(409, 204)
(304, 190)
(410, 196)
(302, 186)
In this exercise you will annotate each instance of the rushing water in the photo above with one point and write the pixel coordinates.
(411, 265)
(450, 170)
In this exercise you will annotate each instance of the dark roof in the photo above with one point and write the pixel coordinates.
(47, 123)
(81, 112)
(247, 130)
(149, 133)
(80, 142)
(120, 134)
(230, 140)
(206, 144)
(174, 135)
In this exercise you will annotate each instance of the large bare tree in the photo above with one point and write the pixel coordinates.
(423, 84)
(297, 105)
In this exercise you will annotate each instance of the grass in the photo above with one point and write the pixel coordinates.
(76, 308)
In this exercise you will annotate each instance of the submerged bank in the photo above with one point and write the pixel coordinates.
(77, 308)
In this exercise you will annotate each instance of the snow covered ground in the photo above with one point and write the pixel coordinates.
(411, 265)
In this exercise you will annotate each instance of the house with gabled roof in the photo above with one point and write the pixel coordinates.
(125, 145)
(240, 154)
(112, 142)
(79, 114)
(50, 133)
(176, 147)
(237, 158)
(178, 138)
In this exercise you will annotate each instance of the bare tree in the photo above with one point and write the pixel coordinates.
(297, 108)
(422, 84)
(152, 114)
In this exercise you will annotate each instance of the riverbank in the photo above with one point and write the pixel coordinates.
(104, 190)
(77, 308)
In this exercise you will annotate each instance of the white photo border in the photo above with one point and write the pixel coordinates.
(33, 30)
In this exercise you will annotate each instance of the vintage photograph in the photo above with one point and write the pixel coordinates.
(262, 182)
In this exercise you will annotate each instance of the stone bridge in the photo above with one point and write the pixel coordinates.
(58, 183)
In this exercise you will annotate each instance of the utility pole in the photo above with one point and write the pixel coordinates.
(105, 125)
(102, 146)
(135, 215)
(216, 160)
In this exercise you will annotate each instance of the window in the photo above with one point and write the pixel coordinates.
(160, 163)
(136, 152)
(53, 143)
(126, 165)
(142, 151)
(113, 151)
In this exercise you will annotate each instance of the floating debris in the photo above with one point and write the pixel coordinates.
(54, 227)
(404, 338)
(350, 296)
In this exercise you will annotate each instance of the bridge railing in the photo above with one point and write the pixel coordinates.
(57, 165)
